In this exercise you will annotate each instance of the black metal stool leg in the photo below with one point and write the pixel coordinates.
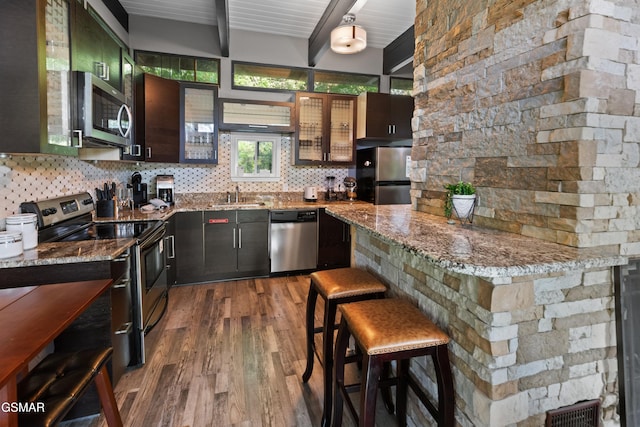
(342, 342)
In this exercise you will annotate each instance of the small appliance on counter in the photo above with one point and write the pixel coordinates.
(165, 187)
(139, 190)
(350, 185)
(310, 194)
(331, 190)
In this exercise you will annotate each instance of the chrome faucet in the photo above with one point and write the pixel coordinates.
(237, 193)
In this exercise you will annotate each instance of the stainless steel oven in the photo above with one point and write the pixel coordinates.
(152, 291)
(69, 218)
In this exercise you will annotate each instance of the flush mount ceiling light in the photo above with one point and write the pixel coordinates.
(348, 37)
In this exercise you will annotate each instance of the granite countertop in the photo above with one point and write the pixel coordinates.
(469, 249)
(108, 249)
(69, 252)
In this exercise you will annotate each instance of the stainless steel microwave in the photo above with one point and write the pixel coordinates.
(102, 115)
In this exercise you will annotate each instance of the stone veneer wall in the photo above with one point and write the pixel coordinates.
(520, 345)
(536, 103)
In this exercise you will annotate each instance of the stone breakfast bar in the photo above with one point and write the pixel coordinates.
(532, 323)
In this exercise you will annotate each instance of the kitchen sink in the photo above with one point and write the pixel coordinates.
(236, 205)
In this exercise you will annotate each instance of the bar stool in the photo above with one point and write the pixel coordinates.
(386, 330)
(338, 286)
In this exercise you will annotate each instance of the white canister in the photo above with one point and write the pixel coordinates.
(27, 224)
(10, 244)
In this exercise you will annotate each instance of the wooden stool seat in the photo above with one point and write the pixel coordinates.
(338, 286)
(58, 381)
(386, 330)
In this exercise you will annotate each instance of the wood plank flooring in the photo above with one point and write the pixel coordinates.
(227, 354)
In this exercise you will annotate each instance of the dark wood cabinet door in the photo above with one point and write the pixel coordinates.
(334, 242)
(253, 248)
(189, 247)
(158, 118)
(220, 244)
(401, 108)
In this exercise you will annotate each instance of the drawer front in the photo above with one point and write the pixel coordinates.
(254, 215)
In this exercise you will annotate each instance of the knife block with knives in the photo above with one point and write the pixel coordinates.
(106, 201)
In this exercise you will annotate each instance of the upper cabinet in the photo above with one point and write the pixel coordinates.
(94, 49)
(325, 129)
(127, 71)
(386, 117)
(198, 124)
(176, 122)
(35, 112)
(256, 116)
(157, 118)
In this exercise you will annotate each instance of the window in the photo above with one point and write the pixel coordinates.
(345, 83)
(280, 78)
(256, 76)
(255, 157)
(177, 67)
(401, 86)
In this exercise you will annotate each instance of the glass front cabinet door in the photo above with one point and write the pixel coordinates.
(325, 131)
(199, 127)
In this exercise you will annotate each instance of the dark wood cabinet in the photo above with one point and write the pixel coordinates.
(35, 86)
(256, 116)
(382, 116)
(236, 244)
(189, 240)
(94, 49)
(157, 118)
(334, 242)
(198, 123)
(325, 129)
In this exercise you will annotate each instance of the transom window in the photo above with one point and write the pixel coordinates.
(179, 67)
(280, 78)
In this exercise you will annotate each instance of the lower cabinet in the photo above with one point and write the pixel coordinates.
(221, 245)
(170, 251)
(236, 244)
(334, 242)
(189, 240)
(108, 322)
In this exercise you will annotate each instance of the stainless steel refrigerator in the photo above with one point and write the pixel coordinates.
(382, 174)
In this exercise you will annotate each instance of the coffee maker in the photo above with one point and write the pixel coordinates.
(165, 188)
(139, 190)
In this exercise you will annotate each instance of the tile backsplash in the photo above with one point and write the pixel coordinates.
(26, 177)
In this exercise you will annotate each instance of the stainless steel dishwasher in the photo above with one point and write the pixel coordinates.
(294, 240)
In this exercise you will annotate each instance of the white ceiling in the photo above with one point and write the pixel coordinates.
(384, 20)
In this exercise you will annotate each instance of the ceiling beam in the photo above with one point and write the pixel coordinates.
(319, 40)
(222, 16)
(399, 52)
(118, 12)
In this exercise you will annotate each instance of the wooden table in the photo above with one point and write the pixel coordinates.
(30, 318)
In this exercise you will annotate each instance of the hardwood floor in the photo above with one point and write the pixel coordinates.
(227, 354)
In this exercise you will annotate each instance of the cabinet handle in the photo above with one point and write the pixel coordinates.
(122, 284)
(239, 238)
(102, 70)
(215, 154)
(234, 238)
(259, 126)
(171, 242)
(79, 133)
(136, 150)
(328, 157)
(123, 257)
(124, 329)
(148, 152)
(394, 129)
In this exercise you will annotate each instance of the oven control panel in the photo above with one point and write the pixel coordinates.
(53, 211)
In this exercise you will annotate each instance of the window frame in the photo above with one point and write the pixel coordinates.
(310, 78)
(256, 137)
(188, 57)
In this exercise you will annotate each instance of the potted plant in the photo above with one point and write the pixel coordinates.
(461, 198)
